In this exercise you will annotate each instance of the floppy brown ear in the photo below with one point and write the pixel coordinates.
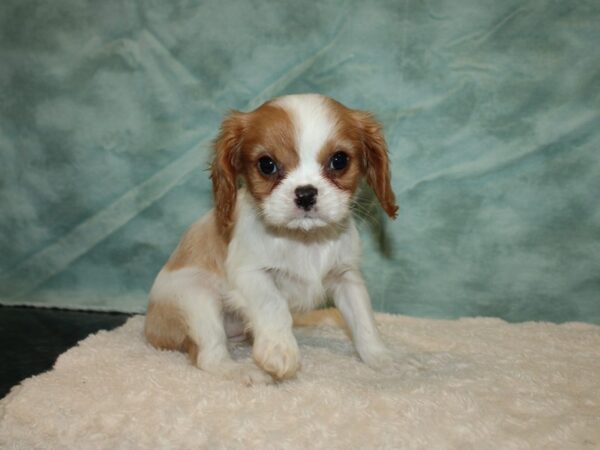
(225, 168)
(376, 163)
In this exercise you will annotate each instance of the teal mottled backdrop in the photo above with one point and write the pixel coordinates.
(491, 110)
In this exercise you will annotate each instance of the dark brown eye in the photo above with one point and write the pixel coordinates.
(267, 166)
(338, 161)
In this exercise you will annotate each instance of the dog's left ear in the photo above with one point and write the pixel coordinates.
(376, 164)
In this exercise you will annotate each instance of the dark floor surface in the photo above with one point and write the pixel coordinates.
(32, 338)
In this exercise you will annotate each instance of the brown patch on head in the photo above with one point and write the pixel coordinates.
(270, 133)
(243, 139)
(361, 136)
(347, 178)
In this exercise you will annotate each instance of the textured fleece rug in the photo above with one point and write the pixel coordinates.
(471, 383)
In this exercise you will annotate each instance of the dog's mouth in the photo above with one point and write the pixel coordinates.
(306, 221)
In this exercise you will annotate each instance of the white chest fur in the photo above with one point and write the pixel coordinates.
(299, 264)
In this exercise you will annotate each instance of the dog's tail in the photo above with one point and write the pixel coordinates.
(318, 317)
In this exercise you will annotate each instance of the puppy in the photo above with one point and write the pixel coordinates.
(281, 239)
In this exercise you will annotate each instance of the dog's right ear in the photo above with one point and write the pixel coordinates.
(225, 168)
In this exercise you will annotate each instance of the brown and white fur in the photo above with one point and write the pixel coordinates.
(269, 249)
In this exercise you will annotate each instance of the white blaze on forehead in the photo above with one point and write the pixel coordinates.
(313, 123)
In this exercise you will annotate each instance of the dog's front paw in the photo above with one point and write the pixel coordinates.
(277, 354)
(378, 358)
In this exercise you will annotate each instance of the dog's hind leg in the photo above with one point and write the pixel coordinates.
(185, 314)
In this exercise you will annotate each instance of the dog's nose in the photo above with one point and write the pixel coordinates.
(306, 197)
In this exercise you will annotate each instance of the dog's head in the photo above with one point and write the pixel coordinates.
(301, 158)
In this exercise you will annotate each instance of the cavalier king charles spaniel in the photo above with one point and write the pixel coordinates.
(280, 239)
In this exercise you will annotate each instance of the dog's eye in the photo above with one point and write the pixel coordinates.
(267, 166)
(338, 161)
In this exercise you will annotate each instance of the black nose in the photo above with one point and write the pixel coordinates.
(306, 197)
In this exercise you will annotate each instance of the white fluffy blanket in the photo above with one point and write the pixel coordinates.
(471, 383)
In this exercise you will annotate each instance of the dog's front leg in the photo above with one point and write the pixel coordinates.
(275, 348)
(352, 300)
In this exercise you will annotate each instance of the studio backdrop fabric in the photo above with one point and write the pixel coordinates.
(491, 113)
